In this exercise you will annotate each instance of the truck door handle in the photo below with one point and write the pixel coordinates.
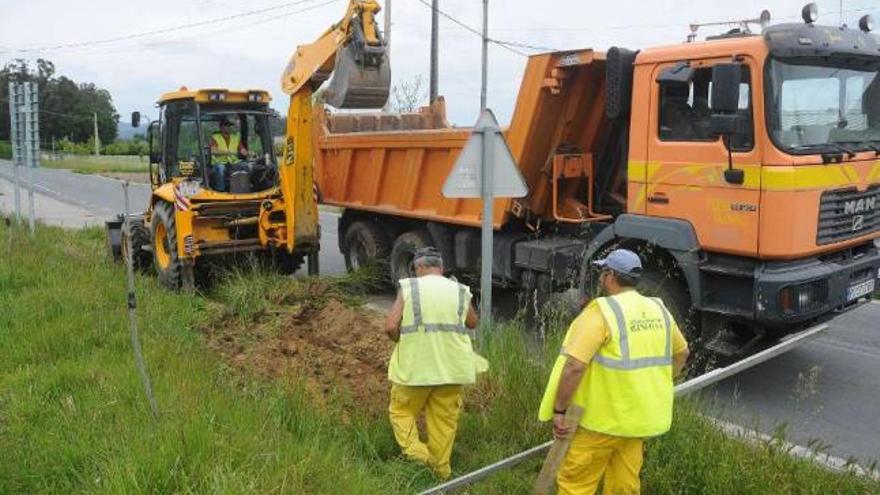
(662, 200)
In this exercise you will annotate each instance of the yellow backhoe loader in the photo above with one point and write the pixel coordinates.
(217, 187)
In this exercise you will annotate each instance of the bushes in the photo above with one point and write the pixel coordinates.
(5, 150)
(135, 146)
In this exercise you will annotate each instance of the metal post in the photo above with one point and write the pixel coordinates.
(132, 314)
(97, 139)
(486, 179)
(485, 55)
(31, 145)
(435, 28)
(15, 136)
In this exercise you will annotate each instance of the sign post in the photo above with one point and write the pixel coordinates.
(485, 169)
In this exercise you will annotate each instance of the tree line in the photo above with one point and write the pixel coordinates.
(66, 106)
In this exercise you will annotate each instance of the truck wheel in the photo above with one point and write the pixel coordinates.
(168, 265)
(404, 250)
(365, 245)
(674, 295)
(134, 238)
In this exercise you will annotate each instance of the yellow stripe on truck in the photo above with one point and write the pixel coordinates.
(767, 178)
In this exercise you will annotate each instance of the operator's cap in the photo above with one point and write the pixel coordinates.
(622, 261)
(428, 253)
(224, 121)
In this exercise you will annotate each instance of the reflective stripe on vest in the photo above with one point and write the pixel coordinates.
(227, 153)
(434, 346)
(416, 301)
(627, 389)
(626, 362)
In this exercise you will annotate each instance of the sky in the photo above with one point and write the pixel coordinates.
(250, 51)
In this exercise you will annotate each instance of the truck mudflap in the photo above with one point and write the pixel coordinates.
(787, 293)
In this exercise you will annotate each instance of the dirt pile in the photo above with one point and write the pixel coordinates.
(334, 347)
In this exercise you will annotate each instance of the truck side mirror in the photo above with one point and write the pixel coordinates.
(135, 119)
(726, 79)
(725, 120)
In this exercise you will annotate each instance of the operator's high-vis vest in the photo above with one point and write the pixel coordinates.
(627, 389)
(226, 153)
(435, 345)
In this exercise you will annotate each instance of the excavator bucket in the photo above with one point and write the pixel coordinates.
(361, 77)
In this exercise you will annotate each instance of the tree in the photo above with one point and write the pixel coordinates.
(66, 108)
(408, 95)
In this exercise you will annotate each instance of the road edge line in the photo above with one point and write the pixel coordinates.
(827, 461)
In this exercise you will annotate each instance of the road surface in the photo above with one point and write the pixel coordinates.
(828, 389)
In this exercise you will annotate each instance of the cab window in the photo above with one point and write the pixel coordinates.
(685, 109)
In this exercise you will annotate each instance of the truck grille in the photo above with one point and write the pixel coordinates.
(847, 213)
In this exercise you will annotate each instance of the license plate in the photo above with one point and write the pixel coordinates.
(859, 290)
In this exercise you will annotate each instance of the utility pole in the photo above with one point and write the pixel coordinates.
(387, 35)
(387, 32)
(485, 73)
(435, 27)
(97, 139)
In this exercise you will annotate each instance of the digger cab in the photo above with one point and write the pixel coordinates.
(220, 139)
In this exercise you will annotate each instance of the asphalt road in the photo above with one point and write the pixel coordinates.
(828, 389)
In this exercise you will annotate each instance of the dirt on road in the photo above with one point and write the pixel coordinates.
(335, 347)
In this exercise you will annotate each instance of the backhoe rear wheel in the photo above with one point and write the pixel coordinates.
(163, 233)
(135, 236)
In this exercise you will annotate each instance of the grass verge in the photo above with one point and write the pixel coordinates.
(73, 417)
(87, 164)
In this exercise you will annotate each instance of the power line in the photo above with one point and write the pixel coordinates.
(181, 27)
(508, 45)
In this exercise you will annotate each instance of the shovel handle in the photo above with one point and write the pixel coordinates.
(547, 477)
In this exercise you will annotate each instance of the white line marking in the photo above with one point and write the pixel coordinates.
(829, 461)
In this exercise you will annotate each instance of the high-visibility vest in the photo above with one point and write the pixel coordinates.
(226, 153)
(435, 345)
(627, 390)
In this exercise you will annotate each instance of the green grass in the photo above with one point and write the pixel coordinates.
(89, 164)
(73, 418)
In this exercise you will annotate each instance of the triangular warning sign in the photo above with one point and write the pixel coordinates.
(464, 181)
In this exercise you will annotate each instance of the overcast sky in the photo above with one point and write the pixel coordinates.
(251, 51)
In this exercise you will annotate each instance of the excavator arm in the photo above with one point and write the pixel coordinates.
(352, 51)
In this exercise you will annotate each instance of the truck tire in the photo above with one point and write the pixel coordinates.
(134, 238)
(366, 244)
(405, 247)
(163, 235)
(674, 295)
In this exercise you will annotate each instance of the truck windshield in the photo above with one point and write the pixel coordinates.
(829, 107)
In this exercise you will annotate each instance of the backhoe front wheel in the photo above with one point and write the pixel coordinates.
(171, 270)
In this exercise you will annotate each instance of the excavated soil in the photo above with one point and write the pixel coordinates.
(335, 348)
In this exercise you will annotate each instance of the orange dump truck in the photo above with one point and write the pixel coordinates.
(744, 168)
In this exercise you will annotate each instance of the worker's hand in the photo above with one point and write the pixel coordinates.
(560, 431)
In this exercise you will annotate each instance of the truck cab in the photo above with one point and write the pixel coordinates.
(790, 235)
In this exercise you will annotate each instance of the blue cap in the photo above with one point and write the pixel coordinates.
(622, 261)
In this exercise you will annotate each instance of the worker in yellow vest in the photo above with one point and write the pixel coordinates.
(226, 149)
(431, 321)
(617, 362)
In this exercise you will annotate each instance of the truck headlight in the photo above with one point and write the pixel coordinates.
(803, 298)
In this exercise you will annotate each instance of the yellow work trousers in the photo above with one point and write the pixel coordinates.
(441, 405)
(593, 455)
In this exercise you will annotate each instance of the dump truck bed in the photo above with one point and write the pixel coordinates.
(396, 164)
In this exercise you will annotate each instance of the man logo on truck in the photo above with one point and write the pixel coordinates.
(860, 205)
